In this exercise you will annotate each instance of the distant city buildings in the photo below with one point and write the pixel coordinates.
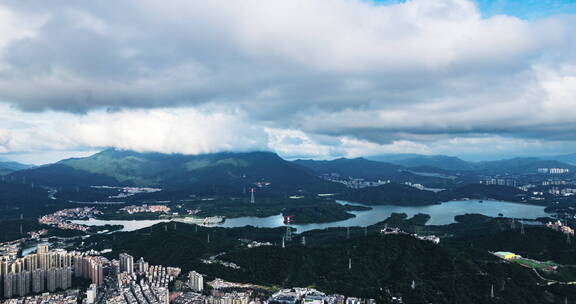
(255, 244)
(61, 219)
(313, 296)
(37, 234)
(499, 181)
(124, 192)
(396, 231)
(146, 209)
(553, 170)
(354, 183)
(558, 226)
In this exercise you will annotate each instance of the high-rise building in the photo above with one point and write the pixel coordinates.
(3, 273)
(196, 281)
(126, 263)
(42, 248)
(91, 294)
(141, 266)
(38, 281)
(8, 285)
(51, 279)
(97, 272)
(78, 266)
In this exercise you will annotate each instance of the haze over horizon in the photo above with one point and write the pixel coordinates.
(319, 79)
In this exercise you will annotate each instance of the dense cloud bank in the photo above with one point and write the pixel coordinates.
(304, 77)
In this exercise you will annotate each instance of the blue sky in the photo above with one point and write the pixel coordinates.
(525, 9)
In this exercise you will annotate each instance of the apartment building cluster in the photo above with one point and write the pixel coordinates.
(66, 297)
(36, 273)
(90, 267)
(138, 282)
(48, 271)
(313, 296)
(224, 298)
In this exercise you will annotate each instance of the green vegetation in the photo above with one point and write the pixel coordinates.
(178, 244)
(107, 227)
(121, 215)
(10, 228)
(403, 195)
(438, 161)
(391, 263)
(321, 212)
(357, 167)
(562, 274)
(180, 175)
(7, 167)
(542, 266)
(303, 210)
(459, 270)
(479, 191)
(239, 209)
(391, 194)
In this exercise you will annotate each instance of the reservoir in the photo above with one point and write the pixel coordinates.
(441, 214)
(129, 225)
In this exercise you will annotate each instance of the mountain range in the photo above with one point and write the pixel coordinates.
(356, 167)
(451, 163)
(128, 168)
(230, 172)
(7, 167)
(416, 160)
(565, 158)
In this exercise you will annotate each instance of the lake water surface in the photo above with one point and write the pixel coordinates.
(440, 214)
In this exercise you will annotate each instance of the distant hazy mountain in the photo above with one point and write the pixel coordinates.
(519, 165)
(565, 158)
(415, 160)
(356, 167)
(7, 167)
(391, 194)
(116, 167)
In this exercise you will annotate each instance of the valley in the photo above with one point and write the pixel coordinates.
(180, 210)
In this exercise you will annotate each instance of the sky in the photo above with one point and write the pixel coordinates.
(305, 78)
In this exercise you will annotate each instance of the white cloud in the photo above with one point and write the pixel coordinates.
(304, 77)
(174, 130)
